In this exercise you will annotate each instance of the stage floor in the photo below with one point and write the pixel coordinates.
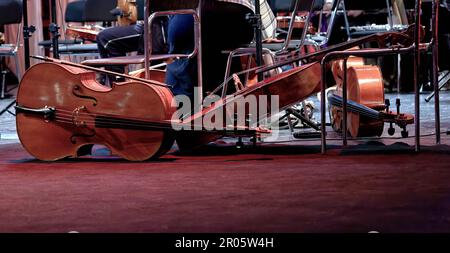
(371, 185)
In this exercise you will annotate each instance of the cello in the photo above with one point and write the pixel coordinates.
(71, 109)
(364, 86)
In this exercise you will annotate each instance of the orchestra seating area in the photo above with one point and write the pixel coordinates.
(107, 124)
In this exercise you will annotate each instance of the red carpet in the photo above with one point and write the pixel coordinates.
(270, 189)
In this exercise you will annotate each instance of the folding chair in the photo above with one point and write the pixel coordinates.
(159, 8)
(74, 13)
(274, 52)
(294, 6)
(91, 11)
(201, 10)
(342, 6)
(10, 13)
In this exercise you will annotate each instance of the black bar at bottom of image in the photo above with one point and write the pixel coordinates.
(226, 242)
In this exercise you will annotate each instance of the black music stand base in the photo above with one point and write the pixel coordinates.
(3, 91)
(8, 107)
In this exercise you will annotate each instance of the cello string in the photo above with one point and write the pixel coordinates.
(315, 139)
(112, 123)
(104, 125)
(149, 127)
(87, 118)
(110, 117)
(124, 123)
(68, 113)
(118, 122)
(108, 124)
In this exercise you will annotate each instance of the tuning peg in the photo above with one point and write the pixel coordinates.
(405, 133)
(248, 120)
(239, 143)
(387, 102)
(391, 129)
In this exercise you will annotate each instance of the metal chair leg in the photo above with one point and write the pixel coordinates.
(3, 88)
(7, 108)
(18, 73)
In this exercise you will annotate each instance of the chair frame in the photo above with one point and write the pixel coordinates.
(14, 53)
(67, 50)
(303, 40)
(197, 52)
(147, 58)
(340, 6)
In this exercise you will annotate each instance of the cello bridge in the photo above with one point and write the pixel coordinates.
(76, 118)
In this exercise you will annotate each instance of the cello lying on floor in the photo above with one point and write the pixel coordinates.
(368, 109)
(365, 91)
(61, 108)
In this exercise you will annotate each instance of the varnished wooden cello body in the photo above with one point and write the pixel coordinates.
(61, 108)
(364, 86)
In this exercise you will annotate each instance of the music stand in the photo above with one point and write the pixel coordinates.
(258, 37)
(27, 32)
(54, 30)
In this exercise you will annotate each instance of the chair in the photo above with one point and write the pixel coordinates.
(99, 11)
(82, 11)
(10, 13)
(159, 8)
(274, 49)
(294, 6)
(74, 13)
(316, 41)
(203, 10)
(345, 5)
(91, 11)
